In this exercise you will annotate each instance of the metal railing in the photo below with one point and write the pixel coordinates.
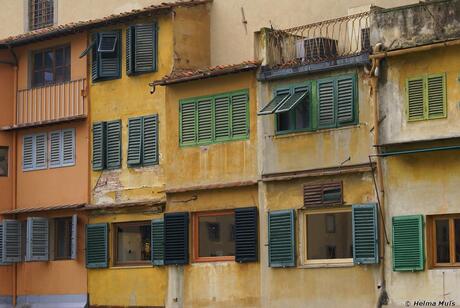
(52, 102)
(319, 42)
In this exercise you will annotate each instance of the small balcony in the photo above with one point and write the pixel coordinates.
(52, 104)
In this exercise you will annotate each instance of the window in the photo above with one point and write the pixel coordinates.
(213, 119)
(426, 97)
(62, 148)
(50, 66)
(106, 55)
(141, 48)
(41, 14)
(323, 194)
(132, 243)
(107, 145)
(444, 240)
(34, 152)
(62, 238)
(3, 161)
(143, 141)
(214, 236)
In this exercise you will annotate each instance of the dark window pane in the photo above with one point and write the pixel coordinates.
(37, 79)
(302, 115)
(48, 76)
(442, 241)
(329, 236)
(3, 161)
(63, 238)
(133, 242)
(67, 55)
(283, 121)
(457, 240)
(216, 235)
(38, 60)
(60, 74)
(49, 59)
(60, 57)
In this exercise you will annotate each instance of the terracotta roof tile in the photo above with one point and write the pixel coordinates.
(43, 209)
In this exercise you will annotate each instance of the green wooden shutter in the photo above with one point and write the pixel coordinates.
(145, 48)
(222, 118)
(40, 151)
(11, 241)
(281, 238)
(55, 149)
(346, 100)
(95, 58)
(408, 243)
(157, 242)
(176, 238)
(109, 61)
(436, 96)
(130, 50)
(150, 140)
(246, 235)
(135, 133)
(415, 98)
(240, 116)
(68, 147)
(37, 239)
(99, 145)
(187, 123)
(1, 245)
(365, 234)
(113, 139)
(97, 245)
(326, 105)
(28, 152)
(204, 110)
(73, 240)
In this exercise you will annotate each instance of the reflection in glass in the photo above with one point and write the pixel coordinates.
(216, 236)
(133, 242)
(442, 241)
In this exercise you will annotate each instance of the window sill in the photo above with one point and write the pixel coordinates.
(131, 266)
(314, 132)
(327, 265)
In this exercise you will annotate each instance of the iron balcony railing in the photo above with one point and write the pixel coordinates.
(319, 42)
(52, 103)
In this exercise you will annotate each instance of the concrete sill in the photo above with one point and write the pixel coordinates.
(131, 267)
(316, 132)
(327, 265)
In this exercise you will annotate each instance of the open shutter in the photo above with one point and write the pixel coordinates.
(157, 242)
(37, 247)
(145, 48)
(129, 50)
(246, 244)
(436, 96)
(109, 55)
(150, 140)
(204, 109)
(134, 141)
(408, 243)
(300, 94)
(345, 100)
(280, 97)
(95, 58)
(365, 234)
(40, 151)
(99, 145)
(28, 152)
(222, 118)
(415, 100)
(326, 108)
(113, 139)
(240, 117)
(97, 245)
(55, 149)
(73, 243)
(176, 238)
(11, 241)
(281, 238)
(68, 147)
(188, 123)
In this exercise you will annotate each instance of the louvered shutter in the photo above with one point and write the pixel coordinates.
(322, 194)
(134, 141)
(95, 58)
(281, 238)
(68, 147)
(1, 244)
(204, 109)
(40, 151)
(11, 241)
(55, 149)
(145, 48)
(240, 116)
(129, 50)
(37, 239)
(246, 248)
(28, 152)
(415, 100)
(99, 145)
(157, 242)
(326, 108)
(408, 243)
(365, 234)
(176, 238)
(150, 140)
(73, 239)
(436, 96)
(188, 123)
(222, 118)
(97, 245)
(345, 100)
(109, 62)
(113, 139)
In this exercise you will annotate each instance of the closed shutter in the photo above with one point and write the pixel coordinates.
(408, 243)
(150, 140)
(40, 151)
(326, 108)
(365, 234)
(11, 241)
(95, 58)
(415, 100)
(55, 149)
(97, 245)
(99, 145)
(37, 239)
(73, 243)
(281, 238)
(222, 118)
(145, 48)
(322, 194)
(134, 141)
(246, 244)
(68, 147)
(1, 244)
(157, 242)
(176, 238)
(345, 100)
(436, 92)
(240, 117)
(109, 55)
(113, 139)
(28, 152)
(204, 109)
(130, 50)
(187, 123)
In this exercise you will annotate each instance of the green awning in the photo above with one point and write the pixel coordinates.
(292, 101)
(274, 103)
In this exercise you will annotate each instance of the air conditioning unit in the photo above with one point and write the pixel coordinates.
(316, 49)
